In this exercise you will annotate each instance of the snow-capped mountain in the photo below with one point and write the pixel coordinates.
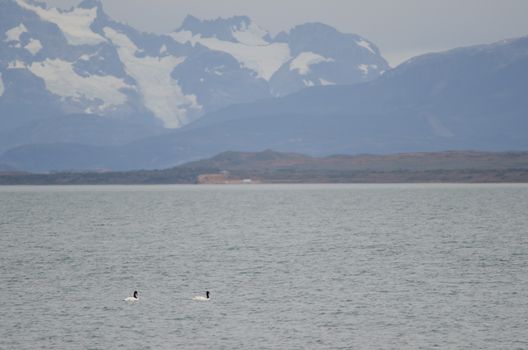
(309, 55)
(79, 61)
(472, 98)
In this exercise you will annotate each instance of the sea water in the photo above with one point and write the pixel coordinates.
(288, 267)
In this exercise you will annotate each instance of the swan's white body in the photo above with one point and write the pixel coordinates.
(200, 298)
(135, 297)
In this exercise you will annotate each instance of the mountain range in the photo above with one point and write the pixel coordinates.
(81, 91)
(79, 62)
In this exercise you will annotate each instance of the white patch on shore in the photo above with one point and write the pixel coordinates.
(304, 60)
(74, 24)
(161, 94)
(264, 59)
(61, 80)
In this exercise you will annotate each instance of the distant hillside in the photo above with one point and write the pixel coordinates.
(275, 167)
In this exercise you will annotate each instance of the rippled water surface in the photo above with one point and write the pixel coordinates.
(288, 267)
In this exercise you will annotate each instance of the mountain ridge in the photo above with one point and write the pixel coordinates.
(468, 98)
(82, 61)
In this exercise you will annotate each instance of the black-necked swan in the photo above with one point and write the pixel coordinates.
(133, 298)
(201, 297)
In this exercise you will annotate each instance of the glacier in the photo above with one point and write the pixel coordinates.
(160, 92)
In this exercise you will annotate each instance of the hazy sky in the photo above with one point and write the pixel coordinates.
(400, 28)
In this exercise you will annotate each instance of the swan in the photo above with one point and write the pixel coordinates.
(133, 298)
(201, 297)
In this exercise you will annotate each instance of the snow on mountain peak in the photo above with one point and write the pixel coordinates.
(304, 60)
(241, 38)
(13, 34)
(250, 50)
(62, 80)
(251, 34)
(366, 45)
(239, 29)
(365, 68)
(90, 63)
(13, 37)
(75, 24)
(34, 46)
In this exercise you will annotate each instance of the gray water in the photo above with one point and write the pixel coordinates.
(288, 267)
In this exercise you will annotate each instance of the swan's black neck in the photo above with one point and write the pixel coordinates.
(207, 294)
(135, 294)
